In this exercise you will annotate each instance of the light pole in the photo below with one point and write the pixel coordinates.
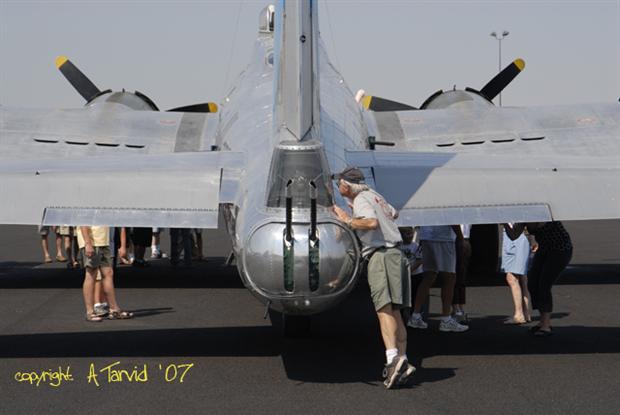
(499, 66)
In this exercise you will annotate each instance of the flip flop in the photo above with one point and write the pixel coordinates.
(93, 318)
(514, 322)
(119, 315)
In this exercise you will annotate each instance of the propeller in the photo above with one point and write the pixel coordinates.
(80, 82)
(204, 107)
(379, 104)
(502, 79)
(89, 91)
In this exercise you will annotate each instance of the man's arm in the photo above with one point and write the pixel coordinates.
(355, 223)
(88, 243)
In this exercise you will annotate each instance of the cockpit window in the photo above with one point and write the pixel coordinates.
(297, 165)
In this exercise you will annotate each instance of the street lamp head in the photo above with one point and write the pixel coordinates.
(506, 33)
(494, 35)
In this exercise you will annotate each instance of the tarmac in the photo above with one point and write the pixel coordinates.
(199, 344)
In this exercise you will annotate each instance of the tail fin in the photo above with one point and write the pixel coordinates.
(296, 110)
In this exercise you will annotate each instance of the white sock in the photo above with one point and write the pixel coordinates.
(390, 354)
(445, 318)
(416, 316)
(459, 313)
(98, 304)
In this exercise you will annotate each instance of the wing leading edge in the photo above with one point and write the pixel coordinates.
(171, 190)
(449, 188)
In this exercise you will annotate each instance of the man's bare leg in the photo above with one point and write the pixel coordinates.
(108, 287)
(88, 290)
(428, 278)
(389, 327)
(46, 250)
(517, 296)
(59, 250)
(447, 292)
(525, 298)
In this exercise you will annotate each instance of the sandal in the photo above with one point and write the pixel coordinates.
(93, 318)
(119, 315)
(60, 258)
(543, 333)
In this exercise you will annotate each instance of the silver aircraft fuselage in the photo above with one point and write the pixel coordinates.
(256, 221)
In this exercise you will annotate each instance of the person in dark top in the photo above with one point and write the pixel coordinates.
(555, 250)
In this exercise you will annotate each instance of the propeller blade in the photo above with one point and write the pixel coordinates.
(379, 104)
(80, 82)
(204, 107)
(502, 79)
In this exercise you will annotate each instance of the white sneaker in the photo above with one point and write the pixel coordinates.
(452, 325)
(417, 323)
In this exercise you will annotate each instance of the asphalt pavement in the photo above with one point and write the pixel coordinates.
(199, 344)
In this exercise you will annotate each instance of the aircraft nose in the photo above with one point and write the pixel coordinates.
(301, 276)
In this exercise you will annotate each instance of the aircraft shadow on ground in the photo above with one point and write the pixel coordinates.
(351, 357)
(213, 274)
(210, 274)
(345, 345)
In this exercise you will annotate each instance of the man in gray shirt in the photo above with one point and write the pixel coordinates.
(373, 221)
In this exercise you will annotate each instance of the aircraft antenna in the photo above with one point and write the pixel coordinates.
(232, 49)
(331, 34)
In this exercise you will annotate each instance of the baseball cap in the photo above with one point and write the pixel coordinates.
(351, 175)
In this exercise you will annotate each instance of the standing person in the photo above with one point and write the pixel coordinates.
(554, 252)
(44, 232)
(515, 261)
(463, 254)
(156, 251)
(373, 221)
(198, 245)
(67, 234)
(94, 243)
(141, 238)
(438, 258)
(181, 241)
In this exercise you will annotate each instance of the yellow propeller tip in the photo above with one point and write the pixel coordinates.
(366, 101)
(212, 107)
(520, 63)
(61, 61)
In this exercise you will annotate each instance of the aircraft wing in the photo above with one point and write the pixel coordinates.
(106, 130)
(454, 188)
(577, 130)
(167, 190)
(107, 165)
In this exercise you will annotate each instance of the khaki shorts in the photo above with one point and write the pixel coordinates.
(101, 258)
(65, 230)
(388, 278)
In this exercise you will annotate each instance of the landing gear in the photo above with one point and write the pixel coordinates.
(296, 327)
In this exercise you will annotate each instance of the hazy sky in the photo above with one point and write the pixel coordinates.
(184, 52)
